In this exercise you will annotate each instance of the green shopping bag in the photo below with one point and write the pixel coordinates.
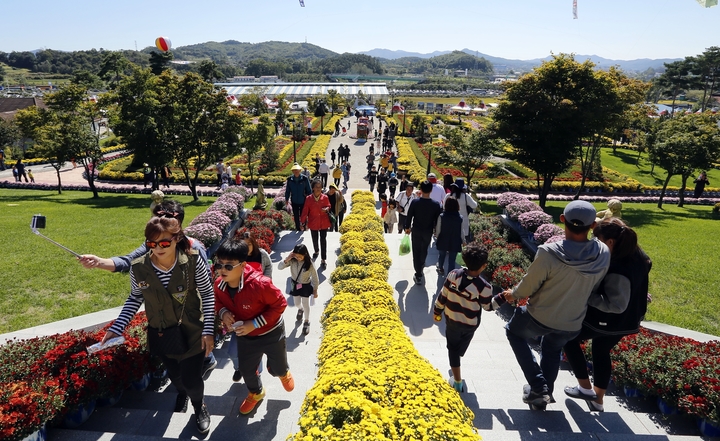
(405, 245)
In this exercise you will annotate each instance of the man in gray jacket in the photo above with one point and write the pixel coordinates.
(557, 285)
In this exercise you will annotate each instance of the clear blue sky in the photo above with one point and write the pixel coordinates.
(520, 29)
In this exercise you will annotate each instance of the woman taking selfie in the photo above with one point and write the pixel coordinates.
(176, 288)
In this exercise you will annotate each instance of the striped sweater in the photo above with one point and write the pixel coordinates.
(204, 288)
(463, 298)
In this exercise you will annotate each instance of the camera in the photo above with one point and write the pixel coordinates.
(38, 221)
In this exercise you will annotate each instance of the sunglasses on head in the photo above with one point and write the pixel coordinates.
(162, 243)
(227, 266)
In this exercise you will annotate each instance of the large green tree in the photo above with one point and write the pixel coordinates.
(684, 144)
(72, 99)
(59, 135)
(140, 113)
(112, 67)
(676, 79)
(468, 151)
(707, 69)
(606, 108)
(253, 138)
(204, 127)
(545, 115)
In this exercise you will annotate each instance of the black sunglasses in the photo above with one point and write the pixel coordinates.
(162, 243)
(227, 266)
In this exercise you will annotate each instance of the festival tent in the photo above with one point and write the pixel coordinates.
(461, 107)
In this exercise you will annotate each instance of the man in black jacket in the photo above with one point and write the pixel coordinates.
(420, 221)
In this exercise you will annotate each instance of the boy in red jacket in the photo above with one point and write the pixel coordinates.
(249, 304)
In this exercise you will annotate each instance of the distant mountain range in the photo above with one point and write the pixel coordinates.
(638, 65)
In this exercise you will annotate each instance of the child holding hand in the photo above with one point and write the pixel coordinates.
(463, 297)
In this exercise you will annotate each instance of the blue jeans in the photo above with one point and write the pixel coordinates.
(451, 255)
(521, 329)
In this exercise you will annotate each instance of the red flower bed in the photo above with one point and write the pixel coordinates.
(42, 378)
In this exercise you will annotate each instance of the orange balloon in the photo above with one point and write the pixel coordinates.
(163, 44)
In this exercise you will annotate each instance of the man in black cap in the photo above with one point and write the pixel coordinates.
(557, 285)
(421, 219)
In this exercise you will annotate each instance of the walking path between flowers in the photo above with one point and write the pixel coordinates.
(493, 378)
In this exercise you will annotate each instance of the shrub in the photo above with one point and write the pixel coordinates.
(716, 208)
(206, 233)
(532, 220)
(515, 209)
(556, 238)
(212, 217)
(509, 197)
(546, 231)
(225, 206)
(507, 276)
(480, 223)
(263, 236)
(512, 255)
(236, 198)
(239, 189)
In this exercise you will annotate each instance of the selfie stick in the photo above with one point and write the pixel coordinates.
(34, 230)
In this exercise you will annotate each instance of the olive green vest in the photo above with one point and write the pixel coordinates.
(164, 306)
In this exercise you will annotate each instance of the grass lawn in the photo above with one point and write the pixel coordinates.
(43, 283)
(624, 161)
(684, 280)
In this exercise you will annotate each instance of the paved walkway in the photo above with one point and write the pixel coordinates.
(493, 378)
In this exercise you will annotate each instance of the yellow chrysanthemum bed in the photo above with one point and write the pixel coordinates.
(372, 383)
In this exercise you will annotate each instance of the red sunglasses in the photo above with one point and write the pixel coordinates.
(162, 243)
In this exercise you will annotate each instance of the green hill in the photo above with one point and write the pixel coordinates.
(235, 52)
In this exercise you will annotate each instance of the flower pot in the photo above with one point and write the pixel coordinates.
(38, 435)
(76, 417)
(141, 384)
(110, 400)
(666, 408)
(632, 392)
(708, 427)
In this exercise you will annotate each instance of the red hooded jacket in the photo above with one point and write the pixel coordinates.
(258, 301)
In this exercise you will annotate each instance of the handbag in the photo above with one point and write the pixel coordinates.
(169, 341)
(468, 209)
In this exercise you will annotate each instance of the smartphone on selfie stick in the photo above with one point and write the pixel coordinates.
(38, 221)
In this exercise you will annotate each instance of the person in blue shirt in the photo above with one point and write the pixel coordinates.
(296, 190)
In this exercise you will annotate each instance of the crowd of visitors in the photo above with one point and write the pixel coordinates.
(577, 289)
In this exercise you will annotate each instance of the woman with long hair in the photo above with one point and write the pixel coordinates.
(614, 310)
(179, 302)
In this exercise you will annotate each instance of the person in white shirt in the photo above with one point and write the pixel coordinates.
(403, 204)
(467, 204)
(323, 169)
(438, 191)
